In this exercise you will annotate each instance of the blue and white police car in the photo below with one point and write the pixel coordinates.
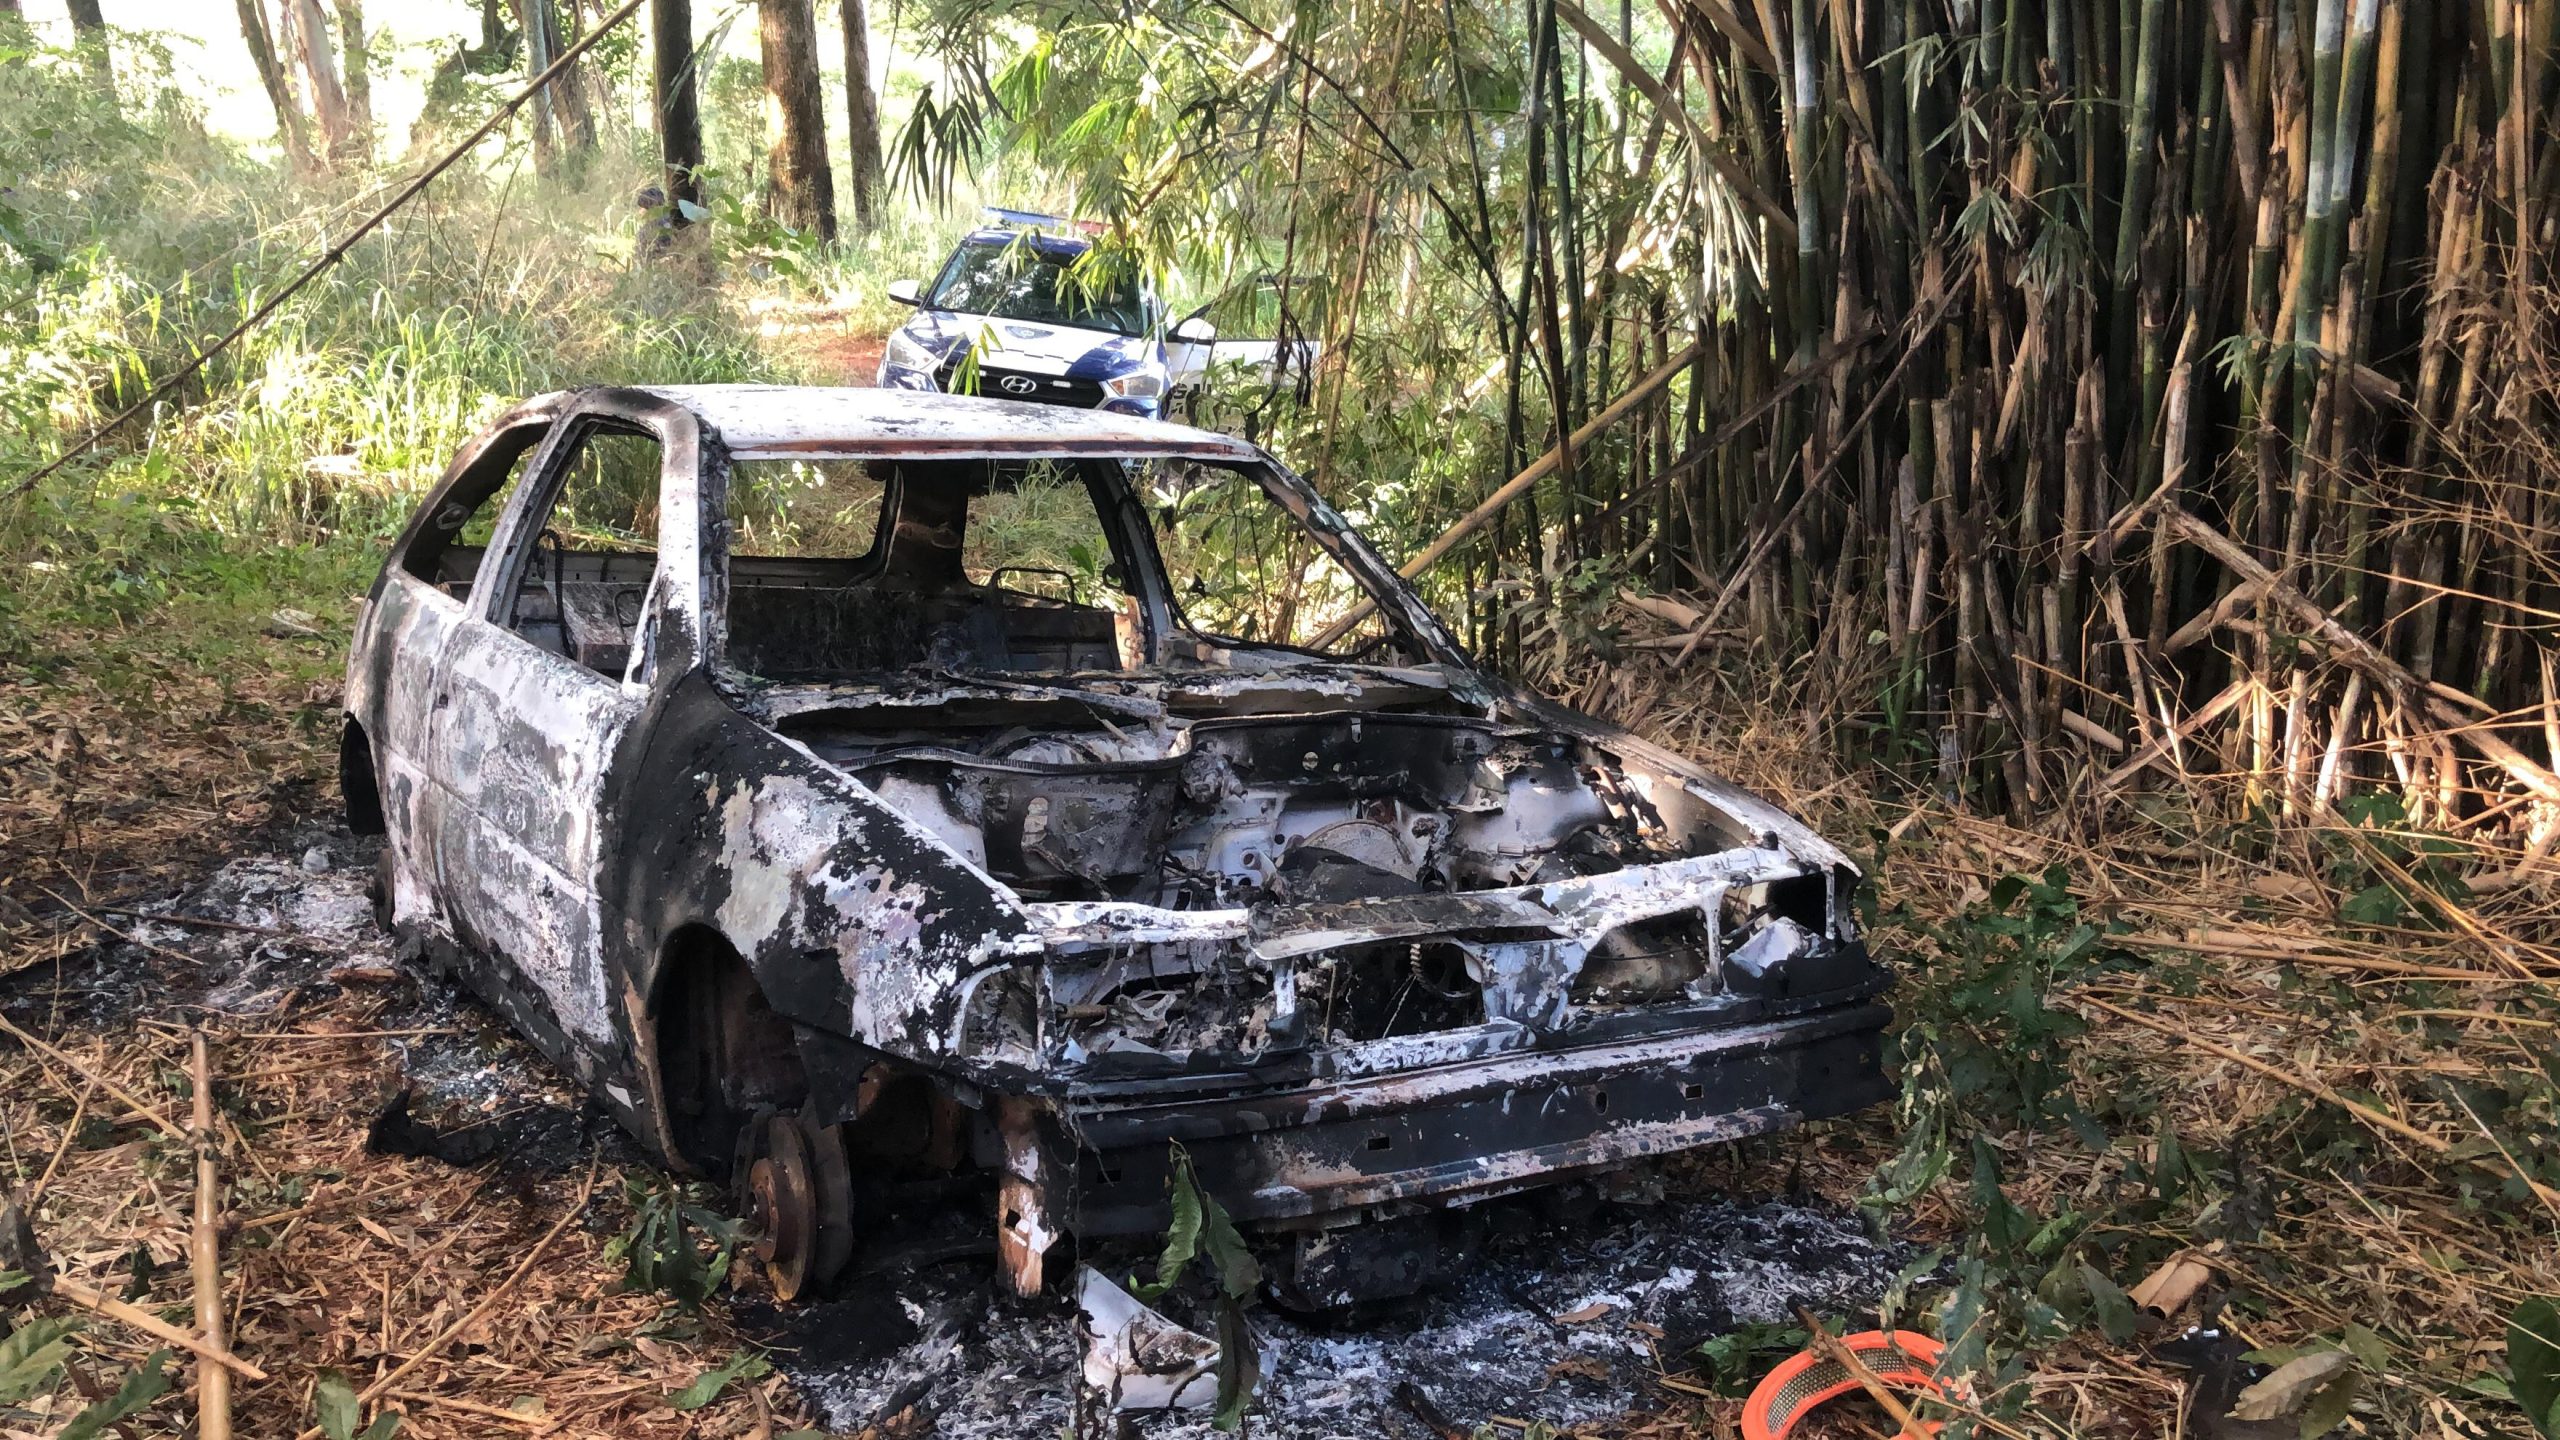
(1093, 340)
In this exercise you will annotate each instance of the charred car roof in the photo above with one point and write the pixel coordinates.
(779, 421)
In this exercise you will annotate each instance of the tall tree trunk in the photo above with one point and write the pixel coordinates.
(862, 117)
(561, 115)
(533, 16)
(307, 35)
(679, 111)
(89, 33)
(577, 105)
(799, 188)
(271, 75)
(359, 69)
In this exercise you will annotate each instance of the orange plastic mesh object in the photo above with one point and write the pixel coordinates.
(1903, 1359)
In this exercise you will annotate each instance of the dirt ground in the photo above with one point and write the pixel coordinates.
(828, 347)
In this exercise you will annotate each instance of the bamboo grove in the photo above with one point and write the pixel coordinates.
(2081, 385)
(2190, 369)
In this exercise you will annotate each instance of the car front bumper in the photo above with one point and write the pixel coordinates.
(1470, 1130)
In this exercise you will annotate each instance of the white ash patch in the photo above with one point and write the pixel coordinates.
(305, 915)
(1494, 1344)
(312, 912)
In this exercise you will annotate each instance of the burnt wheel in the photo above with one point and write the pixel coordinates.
(796, 1188)
(782, 1201)
(832, 1177)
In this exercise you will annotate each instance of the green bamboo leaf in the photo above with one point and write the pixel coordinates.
(1239, 1274)
(2327, 1409)
(29, 1357)
(1181, 1239)
(1239, 1364)
(712, 1382)
(148, 1382)
(334, 1406)
(2109, 1305)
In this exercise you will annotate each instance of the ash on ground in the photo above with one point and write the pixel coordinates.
(1569, 1321)
(1566, 1322)
(298, 923)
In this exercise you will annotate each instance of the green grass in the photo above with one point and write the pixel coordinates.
(126, 243)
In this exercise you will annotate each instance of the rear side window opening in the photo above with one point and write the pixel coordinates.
(445, 552)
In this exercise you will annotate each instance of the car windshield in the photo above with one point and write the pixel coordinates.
(1022, 281)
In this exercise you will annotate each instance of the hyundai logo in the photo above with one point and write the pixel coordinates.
(1018, 384)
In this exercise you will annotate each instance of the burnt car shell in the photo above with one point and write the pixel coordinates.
(1365, 938)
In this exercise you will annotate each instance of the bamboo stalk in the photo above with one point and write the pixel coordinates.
(89, 1298)
(204, 1251)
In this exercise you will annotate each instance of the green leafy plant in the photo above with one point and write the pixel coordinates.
(2533, 1363)
(2376, 860)
(711, 1384)
(676, 1244)
(1986, 1053)
(338, 1412)
(142, 1385)
(1738, 1358)
(33, 1356)
(1202, 1226)
(1984, 1040)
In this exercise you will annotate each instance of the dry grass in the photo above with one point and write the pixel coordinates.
(477, 1301)
(2258, 1022)
(334, 1260)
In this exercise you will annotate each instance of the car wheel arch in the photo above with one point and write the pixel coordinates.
(359, 783)
(711, 1047)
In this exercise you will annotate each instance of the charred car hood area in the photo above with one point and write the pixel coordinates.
(1322, 871)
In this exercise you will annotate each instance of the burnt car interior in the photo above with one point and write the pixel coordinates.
(942, 584)
(586, 582)
(982, 666)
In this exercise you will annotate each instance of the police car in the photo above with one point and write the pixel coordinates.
(1094, 339)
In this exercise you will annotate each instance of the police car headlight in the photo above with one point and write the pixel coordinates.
(906, 353)
(1137, 385)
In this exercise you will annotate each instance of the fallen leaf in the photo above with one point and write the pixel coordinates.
(2176, 1281)
(2328, 1406)
(381, 1234)
(2285, 1391)
(1583, 1367)
(1586, 1314)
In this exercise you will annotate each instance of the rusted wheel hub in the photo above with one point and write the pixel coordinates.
(795, 1189)
(784, 1206)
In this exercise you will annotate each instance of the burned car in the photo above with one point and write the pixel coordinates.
(876, 797)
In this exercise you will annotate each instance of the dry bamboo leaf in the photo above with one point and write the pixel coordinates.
(2168, 1288)
(2290, 1387)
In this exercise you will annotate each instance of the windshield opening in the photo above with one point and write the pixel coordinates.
(1025, 281)
(1241, 570)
